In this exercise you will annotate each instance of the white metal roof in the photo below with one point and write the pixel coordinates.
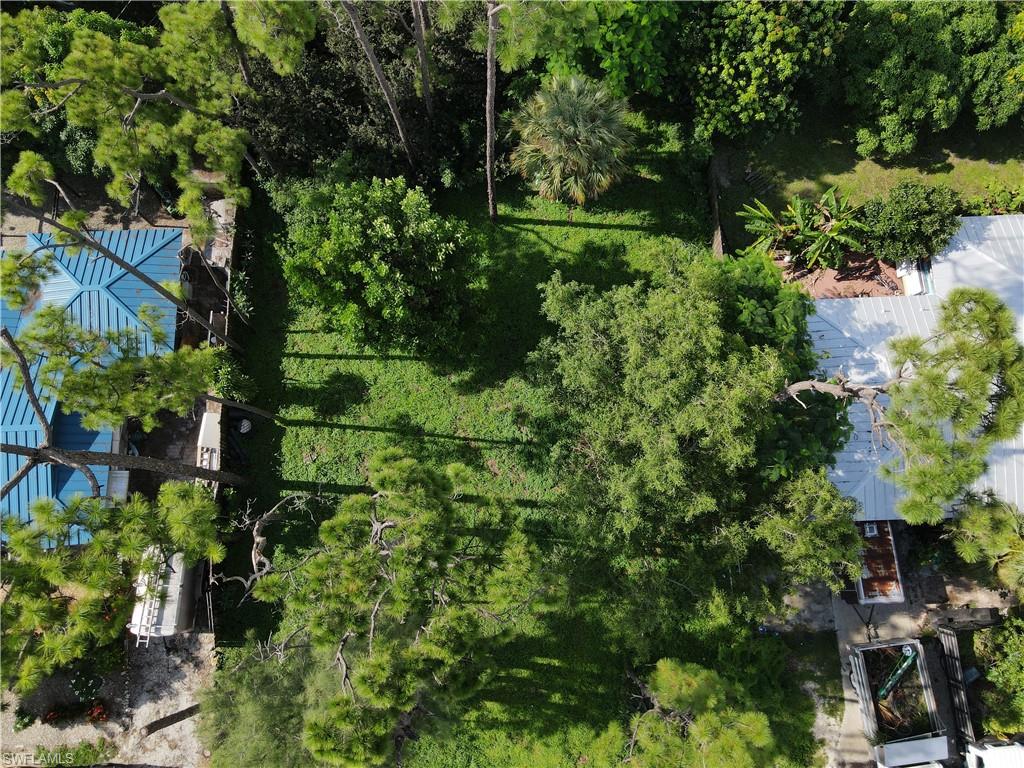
(852, 335)
(913, 752)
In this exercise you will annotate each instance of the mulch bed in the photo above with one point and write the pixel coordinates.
(862, 275)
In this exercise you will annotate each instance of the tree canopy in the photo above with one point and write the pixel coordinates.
(154, 101)
(378, 260)
(670, 436)
(913, 67)
(748, 58)
(401, 587)
(65, 600)
(107, 377)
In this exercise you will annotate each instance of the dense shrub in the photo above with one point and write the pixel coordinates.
(915, 222)
(1004, 702)
(378, 260)
(915, 66)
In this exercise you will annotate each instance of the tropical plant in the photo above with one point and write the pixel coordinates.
(817, 234)
(573, 138)
(998, 199)
(834, 235)
(915, 222)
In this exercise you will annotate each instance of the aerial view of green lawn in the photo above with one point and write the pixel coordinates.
(518, 384)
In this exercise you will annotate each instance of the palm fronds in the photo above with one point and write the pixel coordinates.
(573, 139)
(817, 234)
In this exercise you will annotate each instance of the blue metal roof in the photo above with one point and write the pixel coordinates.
(100, 296)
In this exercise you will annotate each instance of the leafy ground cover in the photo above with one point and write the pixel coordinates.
(556, 680)
(822, 153)
(338, 403)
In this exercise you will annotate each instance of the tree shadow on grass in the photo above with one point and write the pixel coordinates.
(264, 343)
(506, 322)
(334, 396)
(562, 675)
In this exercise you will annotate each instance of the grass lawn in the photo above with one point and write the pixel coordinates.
(338, 403)
(823, 153)
(556, 679)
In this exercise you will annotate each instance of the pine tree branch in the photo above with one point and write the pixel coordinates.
(17, 477)
(28, 385)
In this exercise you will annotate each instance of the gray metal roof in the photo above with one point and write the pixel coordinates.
(852, 335)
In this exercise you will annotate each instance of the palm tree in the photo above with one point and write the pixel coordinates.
(573, 139)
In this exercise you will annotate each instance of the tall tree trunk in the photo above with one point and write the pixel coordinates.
(492, 43)
(243, 57)
(88, 241)
(378, 71)
(51, 455)
(419, 29)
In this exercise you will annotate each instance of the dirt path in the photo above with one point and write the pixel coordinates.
(160, 680)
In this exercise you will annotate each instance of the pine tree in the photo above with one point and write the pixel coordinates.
(955, 396)
(991, 531)
(65, 600)
(394, 599)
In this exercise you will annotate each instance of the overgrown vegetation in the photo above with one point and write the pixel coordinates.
(74, 571)
(1002, 650)
(530, 475)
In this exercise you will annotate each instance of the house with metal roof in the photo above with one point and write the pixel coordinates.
(853, 335)
(100, 296)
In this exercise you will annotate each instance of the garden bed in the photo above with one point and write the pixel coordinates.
(862, 275)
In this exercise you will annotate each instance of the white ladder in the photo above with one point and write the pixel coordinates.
(150, 608)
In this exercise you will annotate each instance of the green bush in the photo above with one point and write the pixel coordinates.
(998, 199)
(379, 261)
(229, 380)
(1004, 702)
(915, 222)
